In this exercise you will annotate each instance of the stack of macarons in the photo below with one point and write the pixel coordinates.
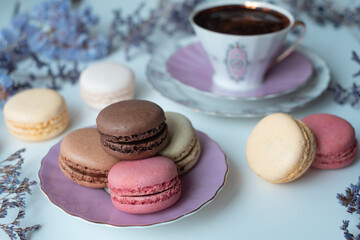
(123, 153)
(281, 148)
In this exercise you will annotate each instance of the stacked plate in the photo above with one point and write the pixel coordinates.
(182, 72)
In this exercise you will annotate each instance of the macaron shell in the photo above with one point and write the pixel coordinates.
(132, 129)
(83, 160)
(148, 204)
(336, 141)
(336, 161)
(188, 162)
(280, 148)
(181, 134)
(83, 147)
(184, 147)
(138, 150)
(141, 173)
(39, 131)
(144, 186)
(98, 102)
(333, 134)
(131, 117)
(308, 154)
(36, 114)
(34, 106)
(106, 77)
(83, 180)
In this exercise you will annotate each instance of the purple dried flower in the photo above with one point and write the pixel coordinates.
(134, 33)
(326, 12)
(351, 94)
(356, 58)
(176, 16)
(55, 30)
(5, 81)
(12, 195)
(350, 200)
(16, 51)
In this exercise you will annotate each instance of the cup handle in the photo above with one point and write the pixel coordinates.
(292, 47)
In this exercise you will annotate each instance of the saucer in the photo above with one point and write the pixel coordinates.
(189, 65)
(200, 186)
(160, 79)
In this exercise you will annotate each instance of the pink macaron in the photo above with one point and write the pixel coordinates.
(336, 141)
(144, 186)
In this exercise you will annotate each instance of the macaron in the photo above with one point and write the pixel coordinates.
(280, 148)
(83, 160)
(184, 146)
(144, 186)
(336, 141)
(36, 114)
(132, 129)
(104, 83)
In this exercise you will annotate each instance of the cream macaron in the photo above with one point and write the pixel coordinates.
(36, 114)
(280, 148)
(104, 83)
(184, 146)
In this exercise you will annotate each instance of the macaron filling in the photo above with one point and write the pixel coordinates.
(134, 137)
(148, 190)
(78, 172)
(345, 156)
(40, 128)
(136, 143)
(188, 161)
(147, 195)
(309, 149)
(187, 151)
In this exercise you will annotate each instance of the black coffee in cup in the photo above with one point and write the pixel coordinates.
(241, 20)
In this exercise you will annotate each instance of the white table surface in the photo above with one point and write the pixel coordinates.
(247, 207)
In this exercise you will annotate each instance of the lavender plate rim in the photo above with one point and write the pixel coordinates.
(146, 225)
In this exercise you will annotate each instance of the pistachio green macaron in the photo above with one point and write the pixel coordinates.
(184, 146)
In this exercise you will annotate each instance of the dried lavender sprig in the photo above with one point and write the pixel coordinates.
(326, 12)
(356, 58)
(9, 61)
(343, 95)
(13, 192)
(350, 200)
(58, 31)
(175, 19)
(135, 32)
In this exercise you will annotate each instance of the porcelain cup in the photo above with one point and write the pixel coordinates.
(241, 61)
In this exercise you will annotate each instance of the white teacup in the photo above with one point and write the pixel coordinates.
(241, 61)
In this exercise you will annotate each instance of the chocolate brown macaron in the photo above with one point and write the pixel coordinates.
(83, 160)
(132, 129)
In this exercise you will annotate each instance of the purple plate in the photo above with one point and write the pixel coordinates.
(190, 67)
(200, 186)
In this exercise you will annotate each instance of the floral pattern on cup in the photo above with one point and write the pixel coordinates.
(236, 62)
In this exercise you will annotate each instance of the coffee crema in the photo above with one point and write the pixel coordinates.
(241, 20)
